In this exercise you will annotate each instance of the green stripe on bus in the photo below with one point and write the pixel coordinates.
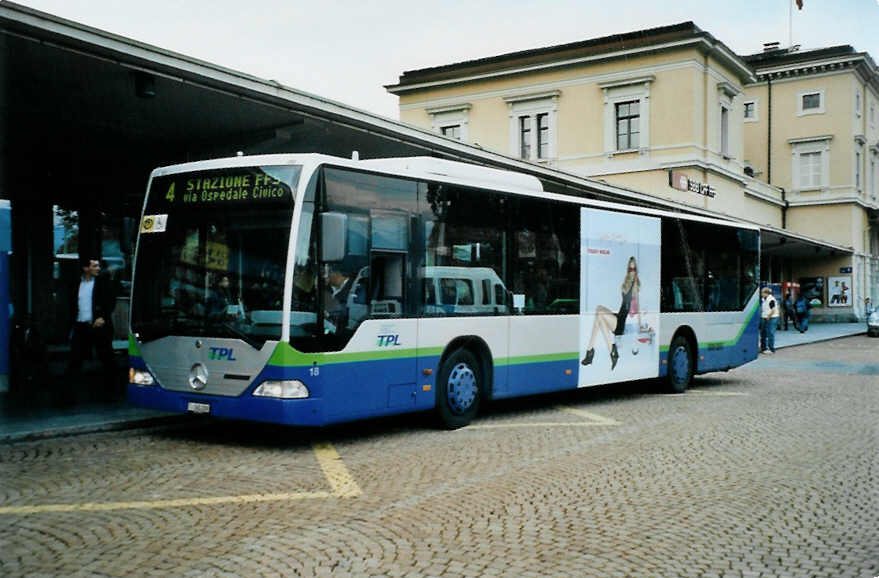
(133, 349)
(544, 358)
(738, 336)
(285, 356)
(728, 343)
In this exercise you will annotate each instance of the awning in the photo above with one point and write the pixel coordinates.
(783, 243)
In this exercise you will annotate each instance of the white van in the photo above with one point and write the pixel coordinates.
(463, 291)
(445, 291)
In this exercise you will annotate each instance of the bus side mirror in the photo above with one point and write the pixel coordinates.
(333, 227)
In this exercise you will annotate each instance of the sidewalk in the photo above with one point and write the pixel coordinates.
(817, 332)
(20, 423)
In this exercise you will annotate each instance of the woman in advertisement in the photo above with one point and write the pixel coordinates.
(613, 325)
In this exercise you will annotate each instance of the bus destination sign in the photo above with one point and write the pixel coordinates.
(211, 189)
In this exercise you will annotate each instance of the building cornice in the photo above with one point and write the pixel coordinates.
(850, 200)
(858, 63)
(449, 108)
(729, 89)
(526, 96)
(806, 67)
(805, 139)
(705, 166)
(560, 84)
(639, 79)
(735, 62)
(763, 197)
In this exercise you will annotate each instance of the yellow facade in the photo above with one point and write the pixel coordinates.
(813, 170)
(685, 89)
(832, 223)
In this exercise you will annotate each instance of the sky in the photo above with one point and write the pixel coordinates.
(348, 50)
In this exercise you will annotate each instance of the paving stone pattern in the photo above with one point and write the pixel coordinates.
(768, 470)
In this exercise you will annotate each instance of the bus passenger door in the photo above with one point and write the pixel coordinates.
(364, 236)
(385, 296)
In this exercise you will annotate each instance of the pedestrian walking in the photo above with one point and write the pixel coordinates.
(801, 309)
(769, 314)
(789, 312)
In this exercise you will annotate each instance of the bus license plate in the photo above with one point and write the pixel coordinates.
(196, 407)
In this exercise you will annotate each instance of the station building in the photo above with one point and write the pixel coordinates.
(85, 115)
(812, 129)
(782, 139)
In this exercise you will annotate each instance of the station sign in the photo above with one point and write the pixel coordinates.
(680, 181)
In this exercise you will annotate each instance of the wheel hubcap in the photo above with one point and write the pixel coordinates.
(461, 388)
(680, 365)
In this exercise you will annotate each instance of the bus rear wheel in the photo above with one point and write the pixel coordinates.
(458, 389)
(680, 364)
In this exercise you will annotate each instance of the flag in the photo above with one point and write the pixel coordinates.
(799, 4)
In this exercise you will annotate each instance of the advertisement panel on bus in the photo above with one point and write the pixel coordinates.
(619, 296)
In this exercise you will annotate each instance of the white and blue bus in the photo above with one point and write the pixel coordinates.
(309, 290)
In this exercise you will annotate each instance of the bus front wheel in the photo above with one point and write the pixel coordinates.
(458, 389)
(680, 364)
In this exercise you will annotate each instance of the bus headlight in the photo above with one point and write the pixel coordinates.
(140, 377)
(283, 389)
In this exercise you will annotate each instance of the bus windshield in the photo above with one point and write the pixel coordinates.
(212, 252)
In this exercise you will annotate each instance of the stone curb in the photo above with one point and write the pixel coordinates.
(821, 340)
(158, 422)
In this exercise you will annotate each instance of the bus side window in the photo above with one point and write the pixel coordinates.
(429, 292)
(449, 292)
(500, 294)
(464, 288)
(486, 292)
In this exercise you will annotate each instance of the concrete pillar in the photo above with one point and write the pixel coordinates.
(4, 114)
(32, 258)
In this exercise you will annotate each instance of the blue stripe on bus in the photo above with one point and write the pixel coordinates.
(351, 394)
(745, 349)
(537, 377)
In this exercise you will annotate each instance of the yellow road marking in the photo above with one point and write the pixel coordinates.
(337, 474)
(704, 393)
(331, 464)
(593, 419)
(534, 424)
(154, 504)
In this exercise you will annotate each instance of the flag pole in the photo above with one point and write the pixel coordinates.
(790, 23)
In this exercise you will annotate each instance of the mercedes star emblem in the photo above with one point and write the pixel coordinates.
(198, 377)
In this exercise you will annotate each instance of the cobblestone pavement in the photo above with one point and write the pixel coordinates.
(771, 469)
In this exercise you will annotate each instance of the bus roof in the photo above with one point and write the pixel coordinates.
(442, 170)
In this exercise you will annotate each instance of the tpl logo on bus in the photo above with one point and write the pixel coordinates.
(390, 340)
(222, 354)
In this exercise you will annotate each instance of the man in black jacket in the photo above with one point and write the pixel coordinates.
(92, 300)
